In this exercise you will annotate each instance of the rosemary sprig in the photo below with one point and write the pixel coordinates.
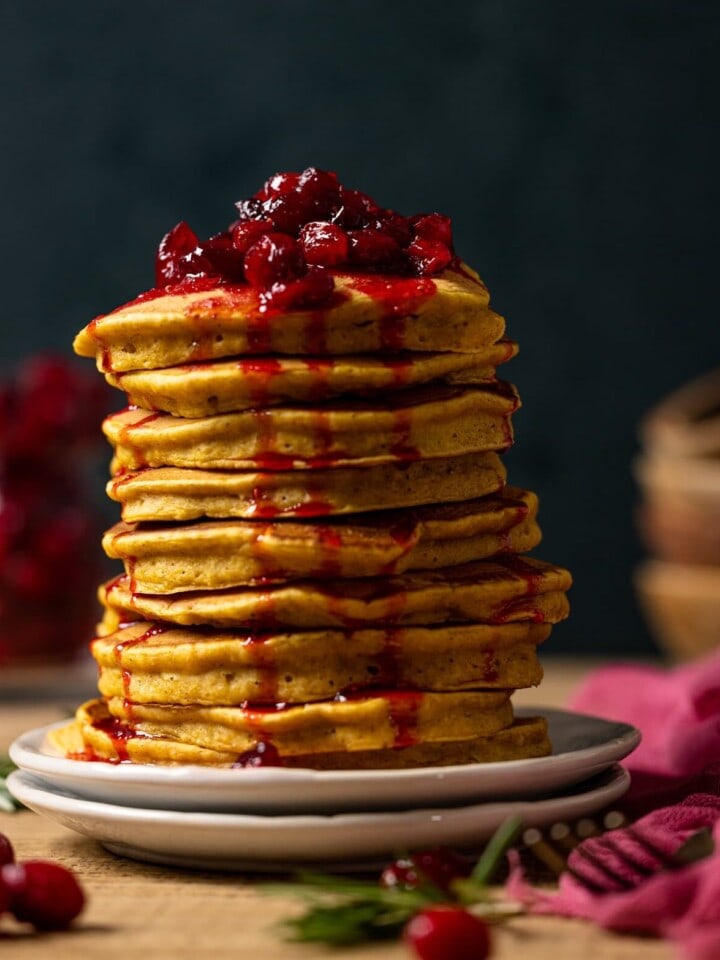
(343, 911)
(8, 804)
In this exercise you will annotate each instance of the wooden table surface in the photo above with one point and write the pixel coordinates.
(139, 911)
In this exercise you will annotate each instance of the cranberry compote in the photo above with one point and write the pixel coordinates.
(263, 754)
(294, 231)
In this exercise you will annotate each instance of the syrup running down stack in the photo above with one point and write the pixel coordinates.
(323, 561)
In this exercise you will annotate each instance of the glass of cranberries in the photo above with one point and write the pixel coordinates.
(50, 415)
(294, 231)
(39, 892)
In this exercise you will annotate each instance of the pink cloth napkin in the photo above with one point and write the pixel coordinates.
(676, 776)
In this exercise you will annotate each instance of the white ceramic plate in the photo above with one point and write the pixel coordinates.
(582, 746)
(226, 841)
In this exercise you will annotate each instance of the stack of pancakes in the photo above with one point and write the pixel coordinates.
(322, 557)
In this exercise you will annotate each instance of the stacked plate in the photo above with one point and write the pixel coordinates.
(277, 819)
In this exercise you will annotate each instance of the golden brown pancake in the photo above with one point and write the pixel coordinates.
(157, 663)
(218, 554)
(225, 386)
(378, 720)
(174, 493)
(90, 737)
(503, 590)
(525, 737)
(448, 313)
(415, 424)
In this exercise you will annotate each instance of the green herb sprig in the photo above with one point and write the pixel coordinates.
(343, 911)
(8, 804)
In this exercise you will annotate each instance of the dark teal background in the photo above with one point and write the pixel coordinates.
(574, 144)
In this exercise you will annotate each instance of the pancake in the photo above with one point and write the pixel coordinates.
(156, 663)
(174, 493)
(225, 386)
(526, 737)
(89, 737)
(503, 590)
(218, 554)
(379, 720)
(164, 328)
(415, 424)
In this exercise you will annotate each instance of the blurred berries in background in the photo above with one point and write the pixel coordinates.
(50, 416)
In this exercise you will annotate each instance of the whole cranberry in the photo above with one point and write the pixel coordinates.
(7, 854)
(393, 225)
(247, 232)
(45, 894)
(178, 243)
(224, 259)
(447, 933)
(371, 248)
(357, 209)
(278, 185)
(324, 244)
(428, 256)
(289, 212)
(322, 188)
(434, 226)
(274, 258)
(440, 866)
(251, 209)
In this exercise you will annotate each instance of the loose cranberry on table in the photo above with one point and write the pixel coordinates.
(7, 854)
(289, 235)
(42, 893)
(447, 933)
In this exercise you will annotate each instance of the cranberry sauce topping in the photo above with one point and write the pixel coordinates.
(263, 754)
(296, 227)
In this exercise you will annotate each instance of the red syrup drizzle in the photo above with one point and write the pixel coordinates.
(267, 457)
(403, 710)
(490, 673)
(459, 267)
(196, 285)
(398, 298)
(401, 446)
(264, 753)
(316, 325)
(330, 542)
(260, 373)
(125, 437)
(122, 477)
(319, 370)
(388, 660)
(520, 514)
(405, 535)
(153, 631)
(129, 561)
(120, 734)
(378, 589)
(314, 506)
(533, 579)
(263, 660)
